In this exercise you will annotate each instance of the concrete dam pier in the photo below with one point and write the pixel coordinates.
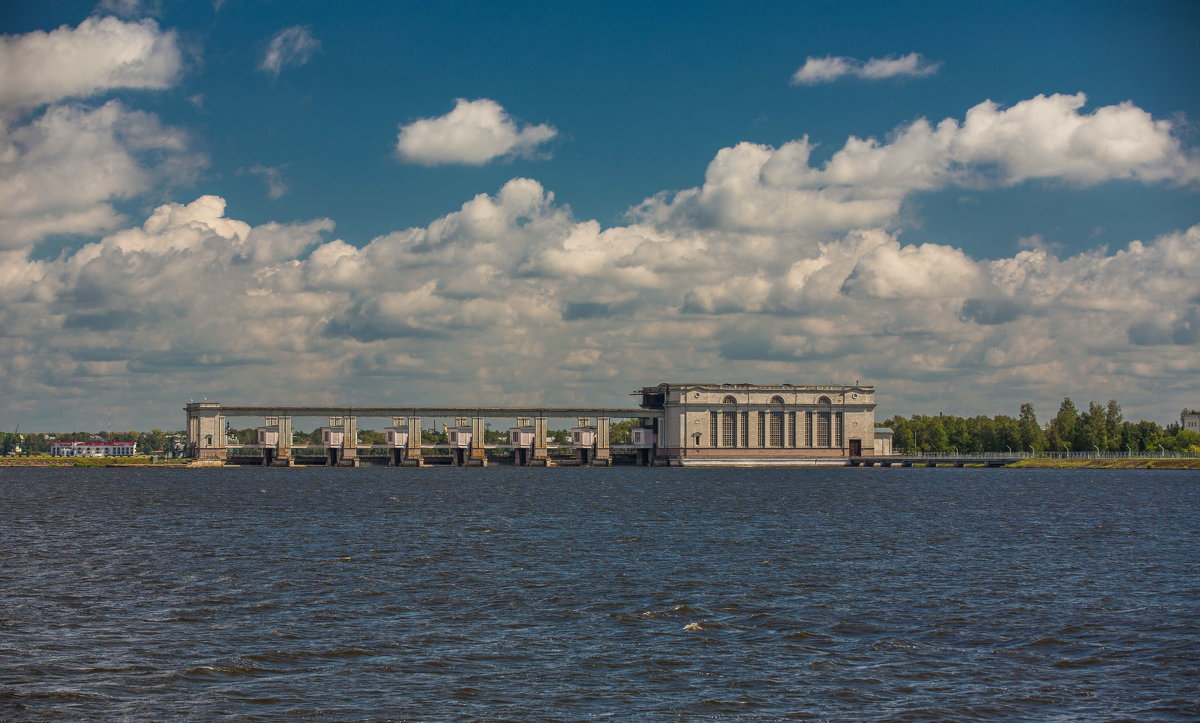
(674, 425)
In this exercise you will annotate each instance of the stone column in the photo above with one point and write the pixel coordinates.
(349, 441)
(193, 431)
(477, 455)
(414, 441)
(283, 449)
(541, 455)
(603, 454)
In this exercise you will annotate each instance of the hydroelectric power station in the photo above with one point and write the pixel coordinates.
(676, 425)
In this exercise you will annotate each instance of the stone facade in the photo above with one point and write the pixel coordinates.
(745, 423)
(677, 424)
(206, 430)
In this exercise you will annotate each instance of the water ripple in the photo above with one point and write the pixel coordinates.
(507, 594)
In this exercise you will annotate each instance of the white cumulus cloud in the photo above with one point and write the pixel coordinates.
(515, 294)
(833, 67)
(108, 153)
(100, 54)
(289, 47)
(475, 132)
(757, 188)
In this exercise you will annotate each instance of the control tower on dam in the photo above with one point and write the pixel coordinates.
(676, 424)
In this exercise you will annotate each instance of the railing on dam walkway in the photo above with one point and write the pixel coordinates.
(998, 459)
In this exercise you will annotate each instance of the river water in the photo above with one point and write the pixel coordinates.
(575, 594)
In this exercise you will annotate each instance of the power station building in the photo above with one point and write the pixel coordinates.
(744, 423)
(675, 424)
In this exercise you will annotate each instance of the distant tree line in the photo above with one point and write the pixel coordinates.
(1101, 428)
(39, 443)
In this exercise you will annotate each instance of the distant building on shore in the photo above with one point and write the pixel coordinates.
(93, 449)
(1190, 419)
(704, 424)
(723, 423)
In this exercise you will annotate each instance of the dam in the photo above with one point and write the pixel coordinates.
(675, 424)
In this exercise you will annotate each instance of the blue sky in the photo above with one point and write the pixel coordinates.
(650, 207)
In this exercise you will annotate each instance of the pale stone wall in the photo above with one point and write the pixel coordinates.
(751, 420)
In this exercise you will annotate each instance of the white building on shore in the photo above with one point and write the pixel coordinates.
(93, 449)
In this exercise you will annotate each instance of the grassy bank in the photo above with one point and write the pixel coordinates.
(1188, 463)
(139, 461)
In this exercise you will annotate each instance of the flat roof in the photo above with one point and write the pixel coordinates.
(351, 411)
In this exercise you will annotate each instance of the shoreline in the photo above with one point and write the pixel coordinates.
(87, 462)
(1184, 463)
(1110, 463)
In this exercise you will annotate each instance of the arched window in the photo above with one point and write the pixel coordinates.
(730, 399)
(777, 400)
(824, 423)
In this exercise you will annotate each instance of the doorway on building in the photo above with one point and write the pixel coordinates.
(856, 448)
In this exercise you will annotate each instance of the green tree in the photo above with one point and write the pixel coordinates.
(1063, 427)
(1150, 436)
(248, 435)
(1092, 430)
(1113, 420)
(1128, 438)
(1185, 440)
(983, 433)
(958, 433)
(154, 440)
(939, 441)
(620, 432)
(902, 434)
(1030, 435)
(370, 436)
(1006, 434)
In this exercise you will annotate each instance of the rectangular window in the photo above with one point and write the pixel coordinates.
(823, 429)
(712, 429)
(776, 429)
(762, 429)
(745, 429)
(808, 429)
(791, 429)
(728, 429)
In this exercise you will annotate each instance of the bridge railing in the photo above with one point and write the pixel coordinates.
(958, 455)
(1118, 455)
(1045, 454)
